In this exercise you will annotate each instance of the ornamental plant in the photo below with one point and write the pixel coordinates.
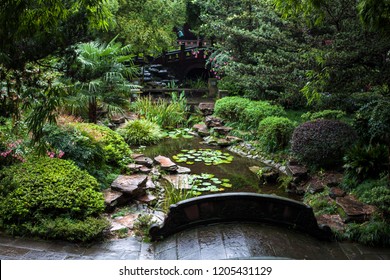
(141, 132)
(41, 193)
(275, 133)
(322, 143)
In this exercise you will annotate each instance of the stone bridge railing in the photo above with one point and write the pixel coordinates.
(239, 207)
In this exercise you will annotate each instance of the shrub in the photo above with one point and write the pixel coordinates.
(362, 161)
(116, 150)
(81, 149)
(87, 153)
(256, 111)
(372, 122)
(141, 132)
(322, 143)
(167, 114)
(231, 108)
(326, 114)
(321, 202)
(375, 232)
(44, 191)
(275, 133)
(375, 192)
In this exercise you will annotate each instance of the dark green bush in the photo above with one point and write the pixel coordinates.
(326, 114)
(81, 149)
(87, 153)
(372, 122)
(275, 133)
(141, 132)
(116, 150)
(375, 232)
(365, 161)
(322, 143)
(45, 189)
(375, 192)
(256, 111)
(231, 108)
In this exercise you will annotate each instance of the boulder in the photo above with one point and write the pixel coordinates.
(333, 221)
(212, 121)
(130, 185)
(149, 184)
(355, 210)
(147, 198)
(133, 167)
(165, 163)
(113, 199)
(222, 130)
(118, 119)
(142, 160)
(183, 170)
(297, 171)
(335, 192)
(207, 109)
(201, 129)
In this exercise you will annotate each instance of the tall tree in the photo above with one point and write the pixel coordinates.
(255, 49)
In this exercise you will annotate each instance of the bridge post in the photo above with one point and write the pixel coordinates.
(182, 55)
(213, 87)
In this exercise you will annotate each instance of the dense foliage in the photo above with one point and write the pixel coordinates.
(37, 193)
(231, 108)
(322, 143)
(141, 132)
(116, 151)
(275, 133)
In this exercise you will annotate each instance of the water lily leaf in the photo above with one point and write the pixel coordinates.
(190, 162)
(226, 185)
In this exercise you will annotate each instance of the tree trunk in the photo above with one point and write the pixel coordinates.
(92, 110)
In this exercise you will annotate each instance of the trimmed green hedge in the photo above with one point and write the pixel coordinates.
(275, 133)
(40, 192)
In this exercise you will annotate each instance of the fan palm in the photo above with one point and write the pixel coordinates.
(101, 79)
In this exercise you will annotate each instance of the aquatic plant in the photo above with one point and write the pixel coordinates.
(207, 156)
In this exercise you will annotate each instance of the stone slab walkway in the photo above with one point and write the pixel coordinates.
(223, 241)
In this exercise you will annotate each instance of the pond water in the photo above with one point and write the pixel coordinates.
(241, 178)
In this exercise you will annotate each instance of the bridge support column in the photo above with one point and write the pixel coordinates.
(213, 87)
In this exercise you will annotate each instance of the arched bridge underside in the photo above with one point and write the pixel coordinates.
(185, 63)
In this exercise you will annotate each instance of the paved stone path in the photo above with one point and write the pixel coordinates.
(225, 241)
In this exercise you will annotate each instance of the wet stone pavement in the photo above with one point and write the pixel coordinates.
(222, 241)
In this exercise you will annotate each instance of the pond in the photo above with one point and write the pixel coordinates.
(237, 172)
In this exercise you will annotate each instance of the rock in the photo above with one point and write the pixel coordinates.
(314, 185)
(355, 210)
(335, 192)
(297, 170)
(166, 163)
(212, 121)
(179, 181)
(183, 170)
(149, 184)
(117, 227)
(211, 140)
(201, 129)
(255, 169)
(113, 199)
(118, 119)
(207, 109)
(134, 156)
(147, 198)
(131, 185)
(233, 139)
(133, 167)
(267, 175)
(333, 221)
(333, 179)
(222, 130)
(127, 220)
(145, 170)
(148, 162)
(223, 142)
